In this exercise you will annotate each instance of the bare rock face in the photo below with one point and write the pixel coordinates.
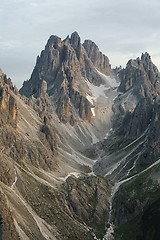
(136, 120)
(87, 201)
(140, 81)
(18, 149)
(141, 74)
(76, 44)
(8, 107)
(99, 60)
(65, 65)
(7, 227)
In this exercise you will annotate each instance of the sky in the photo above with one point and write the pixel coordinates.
(122, 29)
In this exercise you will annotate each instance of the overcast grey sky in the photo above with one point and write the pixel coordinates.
(122, 29)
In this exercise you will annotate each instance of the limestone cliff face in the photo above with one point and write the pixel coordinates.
(87, 201)
(7, 227)
(15, 126)
(8, 107)
(141, 74)
(99, 60)
(136, 120)
(65, 65)
(140, 81)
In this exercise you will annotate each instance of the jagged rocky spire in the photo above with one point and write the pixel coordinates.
(63, 65)
(137, 72)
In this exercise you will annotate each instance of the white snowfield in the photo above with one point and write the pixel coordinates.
(97, 95)
(97, 91)
(110, 81)
(100, 91)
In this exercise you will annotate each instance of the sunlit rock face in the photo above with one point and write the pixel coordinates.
(8, 107)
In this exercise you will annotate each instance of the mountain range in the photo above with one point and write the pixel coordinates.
(80, 147)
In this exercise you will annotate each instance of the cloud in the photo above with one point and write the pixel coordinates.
(34, 4)
(10, 45)
(122, 29)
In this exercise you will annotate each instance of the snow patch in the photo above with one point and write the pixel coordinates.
(109, 233)
(110, 81)
(15, 180)
(129, 103)
(13, 184)
(96, 91)
(76, 174)
(105, 90)
(90, 98)
(93, 112)
(108, 133)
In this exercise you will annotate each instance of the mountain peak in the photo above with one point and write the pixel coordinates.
(148, 64)
(145, 56)
(54, 41)
(139, 71)
(75, 35)
(99, 60)
(63, 65)
(1, 72)
(75, 40)
(89, 43)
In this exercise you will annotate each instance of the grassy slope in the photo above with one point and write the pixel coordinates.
(138, 203)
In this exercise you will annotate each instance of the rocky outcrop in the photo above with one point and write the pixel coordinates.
(78, 209)
(87, 201)
(140, 81)
(137, 110)
(151, 152)
(64, 66)
(136, 207)
(7, 227)
(141, 74)
(8, 107)
(133, 145)
(99, 60)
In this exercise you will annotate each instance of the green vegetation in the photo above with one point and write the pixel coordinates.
(133, 203)
(78, 203)
(49, 204)
(129, 230)
(117, 141)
